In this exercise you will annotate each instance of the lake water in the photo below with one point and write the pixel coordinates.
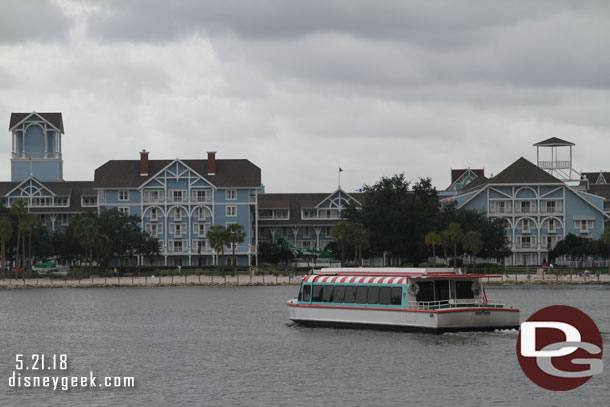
(234, 346)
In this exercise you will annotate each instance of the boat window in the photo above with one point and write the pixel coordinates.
(300, 298)
(396, 296)
(327, 293)
(306, 293)
(373, 295)
(317, 293)
(463, 290)
(385, 294)
(426, 291)
(339, 293)
(441, 287)
(350, 293)
(361, 292)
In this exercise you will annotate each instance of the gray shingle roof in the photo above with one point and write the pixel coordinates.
(54, 118)
(592, 176)
(126, 173)
(295, 202)
(455, 174)
(554, 142)
(75, 189)
(523, 171)
(600, 189)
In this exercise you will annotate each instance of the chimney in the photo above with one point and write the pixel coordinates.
(143, 163)
(211, 162)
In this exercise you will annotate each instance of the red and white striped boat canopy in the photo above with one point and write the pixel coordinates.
(355, 279)
(385, 275)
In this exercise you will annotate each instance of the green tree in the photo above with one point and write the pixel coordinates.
(445, 242)
(473, 243)
(455, 234)
(217, 236)
(433, 239)
(19, 209)
(235, 235)
(398, 216)
(605, 237)
(28, 223)
(87, 232)
(340, 232)
(6, 232)
(359, 237)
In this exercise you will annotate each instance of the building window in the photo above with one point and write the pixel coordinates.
(154, 214)
(63, 219)
(89, 200)
(177, 195)
(306, 232)
(200, 245)
(177, 246)
(525, 207)
(231, 211)
(231, 194)
(61, 201)
(124, 210)
(155, 229)
(308, 213)
(202, 228)
(177, 229)
(201, 195)
(178, 214)
(153, 195)
(551, 226)
(123, 195)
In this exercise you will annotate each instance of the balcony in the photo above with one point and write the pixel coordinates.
(27, 156)
(554, 165)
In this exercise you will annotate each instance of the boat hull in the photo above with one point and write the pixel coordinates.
(437, 321)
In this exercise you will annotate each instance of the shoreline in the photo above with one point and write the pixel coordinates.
(265, 280)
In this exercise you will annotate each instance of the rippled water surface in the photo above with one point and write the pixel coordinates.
(234, 346)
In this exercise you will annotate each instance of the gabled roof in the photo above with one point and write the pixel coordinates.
(455, 174)
(554, 142)
(594, 176)
(54, 118)
(523, 171)
(296, 202)
(74, 189)
(126, 173)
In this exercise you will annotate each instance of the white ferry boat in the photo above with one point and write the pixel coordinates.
(410, 299)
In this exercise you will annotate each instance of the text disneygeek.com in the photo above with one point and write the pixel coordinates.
(19, 380)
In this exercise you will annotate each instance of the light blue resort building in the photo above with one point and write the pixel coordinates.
(541, 209)
(178, 200)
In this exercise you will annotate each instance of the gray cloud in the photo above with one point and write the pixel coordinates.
(35, 20)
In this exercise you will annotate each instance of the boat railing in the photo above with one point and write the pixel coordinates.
(455, 303)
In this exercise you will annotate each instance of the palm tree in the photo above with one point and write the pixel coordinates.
(433, 239)
(445, 242)
(28, 223)
(359, 237)
(19, 209)
(341, 232)
(6, 232)
(217, 236)
(473, 243)
(455, 236)
(605, 237)
(88, 234)
(235, 235)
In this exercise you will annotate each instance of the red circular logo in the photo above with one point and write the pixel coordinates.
(560, 348)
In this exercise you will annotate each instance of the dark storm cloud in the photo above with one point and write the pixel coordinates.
(385, 43)
(38, 20)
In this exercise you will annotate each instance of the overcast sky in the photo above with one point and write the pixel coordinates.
(304, 87)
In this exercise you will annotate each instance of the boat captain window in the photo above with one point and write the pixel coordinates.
(305, 293)
(426, 291)
(463, 290)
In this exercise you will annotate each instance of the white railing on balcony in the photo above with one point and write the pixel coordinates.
(549, 165)
(26, 156)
